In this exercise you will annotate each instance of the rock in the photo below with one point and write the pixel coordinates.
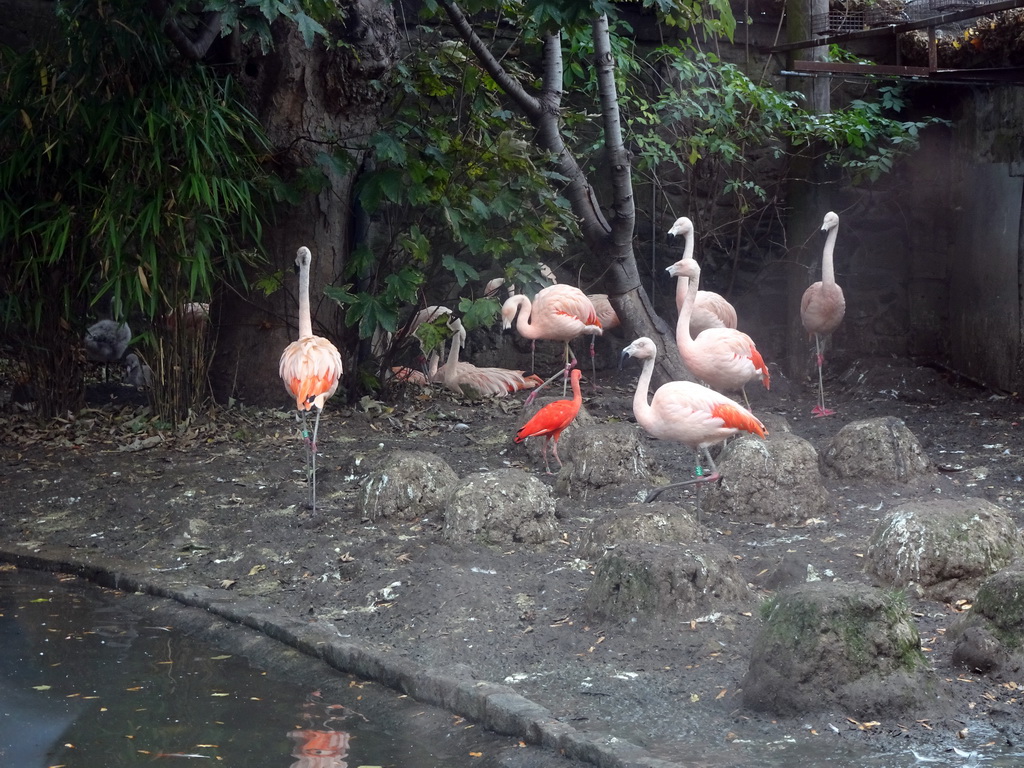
(977, 650)
(776, 480)
(849, 645)
(991, 633)
(411, 484)
(653, 582)
(607, 454)
(794, 569)
(947, 547)
(880, 449)
(503, 507)
(655, 523)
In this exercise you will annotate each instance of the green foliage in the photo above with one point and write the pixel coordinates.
(465, 193)
(131, 181)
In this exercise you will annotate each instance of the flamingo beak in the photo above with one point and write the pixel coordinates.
(623, 356)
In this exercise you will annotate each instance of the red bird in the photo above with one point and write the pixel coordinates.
(552, 419)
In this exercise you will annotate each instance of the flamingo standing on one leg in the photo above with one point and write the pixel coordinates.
(557, 313)
(686, 412)
(310, 368)
(823, 306)
(723, 358)
(552, 419)
(710, 309)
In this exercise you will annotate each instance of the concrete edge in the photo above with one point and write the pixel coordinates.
(496, 707)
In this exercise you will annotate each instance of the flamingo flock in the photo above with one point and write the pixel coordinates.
(697, 414)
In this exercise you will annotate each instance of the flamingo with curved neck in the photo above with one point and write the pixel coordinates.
(686, 412)
(723, 358)
(710, 309)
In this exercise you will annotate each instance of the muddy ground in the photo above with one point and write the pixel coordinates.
(222, 505)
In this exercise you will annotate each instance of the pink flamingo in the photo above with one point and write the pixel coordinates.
(467, 379)
(557, 313)
(552, 419)
(310, 368)
(823, 306)
(686, 412)
(710, 310)
(723, 358)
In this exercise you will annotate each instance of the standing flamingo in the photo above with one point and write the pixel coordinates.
(557, 313)
(823, 306)
(552, 419)
(467, 379)
(310, 368)
(723, 358)
(710, 310)
(686, 412)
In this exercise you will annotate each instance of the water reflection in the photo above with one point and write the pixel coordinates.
(92, 678)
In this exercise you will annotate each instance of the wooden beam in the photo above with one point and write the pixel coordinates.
(840, 67)
(885, 30)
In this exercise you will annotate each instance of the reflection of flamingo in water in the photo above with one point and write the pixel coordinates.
(552, 419)
(823, 306)
(557, 313)
(470, 380)
(686, 412)
(710, 310)
(310, 368)
(319, 749)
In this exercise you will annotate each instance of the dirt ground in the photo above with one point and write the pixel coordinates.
(222, 505)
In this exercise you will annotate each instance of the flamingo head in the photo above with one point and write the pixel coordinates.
(642, 349)
(303, 258)
(685, 268)
(509, 310)
(682, 226)
(831, 221)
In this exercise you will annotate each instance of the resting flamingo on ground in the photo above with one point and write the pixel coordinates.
(823, 306)
(557, 313)
(723, 358)
(310, 368)
(470, 380)
(552, 419)
(686, 412)
(710, 310)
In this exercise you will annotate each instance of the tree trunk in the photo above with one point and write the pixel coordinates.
(309, 100)
(806, 208)
(611, 243)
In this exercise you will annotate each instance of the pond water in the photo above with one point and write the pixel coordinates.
(96, 678)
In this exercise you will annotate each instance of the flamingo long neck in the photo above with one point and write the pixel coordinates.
(681, 286)
(523, 326)
(641, 408)
(683, 338)
(828, 273)
(453, 353)
(305, 323)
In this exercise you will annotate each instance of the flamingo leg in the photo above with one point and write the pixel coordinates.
(700, 479)
(820, 409)
(554, 448)
(544, 453)
(312, 482)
